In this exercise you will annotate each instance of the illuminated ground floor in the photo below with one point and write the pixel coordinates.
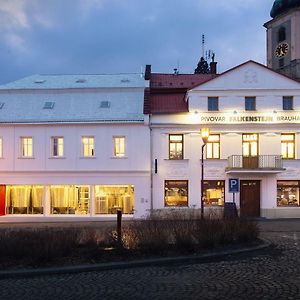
(85, 196)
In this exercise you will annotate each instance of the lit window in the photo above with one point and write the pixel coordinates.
(288, 193)
(119, 146)
(111, 198)
(213, 147)
(57, 146)
(214, 193)
(88, 146)
(288, 145)
(176, 193)
(250, 103)
(26, 147)
(24, 199)
(1, 148)
(287, 103)
(213, 103)
(69, 199)
(176, 146)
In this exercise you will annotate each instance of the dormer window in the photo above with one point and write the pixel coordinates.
(1, 105)
(48, 105)
(105, 104)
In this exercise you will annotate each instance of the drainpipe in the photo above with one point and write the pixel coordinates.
(151, 163)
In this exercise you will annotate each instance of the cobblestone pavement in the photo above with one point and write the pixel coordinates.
(269, 274)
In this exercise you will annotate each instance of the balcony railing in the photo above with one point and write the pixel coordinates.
(264, 162)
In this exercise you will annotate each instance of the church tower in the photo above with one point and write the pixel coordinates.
(283, 38)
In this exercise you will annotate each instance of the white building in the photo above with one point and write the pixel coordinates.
(253, 114)
(73, 147)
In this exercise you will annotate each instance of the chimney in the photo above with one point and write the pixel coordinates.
(213, 67)
(148, 72)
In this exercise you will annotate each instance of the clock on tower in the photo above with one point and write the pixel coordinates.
(283, 38)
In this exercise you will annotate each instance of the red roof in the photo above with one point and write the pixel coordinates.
(167, 92)
(182, 81)
(168, 103)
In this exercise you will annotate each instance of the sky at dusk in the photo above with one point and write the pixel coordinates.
(121, 36)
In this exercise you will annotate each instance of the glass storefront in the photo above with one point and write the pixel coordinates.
(69, 199)
(24, 199)
(214, 192)
(288, 193)
(176, 193)
(110, 198)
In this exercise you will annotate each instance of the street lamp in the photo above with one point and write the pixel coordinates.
(204, 136)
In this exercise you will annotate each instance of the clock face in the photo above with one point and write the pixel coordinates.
(282, 50)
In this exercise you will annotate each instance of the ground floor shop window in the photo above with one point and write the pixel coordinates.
(214, 192)
(288, 193)
(24, 199)
(176, 193)
(111, 198)
(69, 199)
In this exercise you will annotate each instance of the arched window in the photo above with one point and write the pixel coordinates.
(281, 34)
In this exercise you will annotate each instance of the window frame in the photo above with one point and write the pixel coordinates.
(219, 150)
(22, 138)
(170, 142)
(206, 186)
(252, 98)
(82, 146)
(1, 147)
(187, 191)
(212, 106)
(287, 142)
(52, 147)
(289, 98)
(114, 146)
(257, 141)
(288, 186)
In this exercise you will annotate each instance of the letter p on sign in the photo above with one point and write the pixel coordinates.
(234, 185)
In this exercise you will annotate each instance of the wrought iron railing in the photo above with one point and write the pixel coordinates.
(255, 162)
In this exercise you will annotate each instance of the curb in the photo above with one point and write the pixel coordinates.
(132, 264)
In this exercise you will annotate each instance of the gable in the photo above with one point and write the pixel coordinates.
(249, 76)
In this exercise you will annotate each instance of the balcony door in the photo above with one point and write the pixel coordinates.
(250, 151)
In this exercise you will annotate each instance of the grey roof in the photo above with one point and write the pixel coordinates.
(57, 101)
(76, 81)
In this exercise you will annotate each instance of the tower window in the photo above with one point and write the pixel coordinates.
(281, 34)
(281, 62)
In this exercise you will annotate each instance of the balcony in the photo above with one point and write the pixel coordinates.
(255, 164)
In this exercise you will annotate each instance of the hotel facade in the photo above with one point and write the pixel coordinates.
(253, 114)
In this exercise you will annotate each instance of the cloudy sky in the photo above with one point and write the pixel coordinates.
(119, 36)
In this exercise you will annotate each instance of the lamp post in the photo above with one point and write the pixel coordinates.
(204, 136)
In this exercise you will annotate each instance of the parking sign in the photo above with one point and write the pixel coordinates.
(234, 185)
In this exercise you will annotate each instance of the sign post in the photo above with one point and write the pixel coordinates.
(230, 210)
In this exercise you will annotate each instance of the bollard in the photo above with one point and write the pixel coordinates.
(119, 227)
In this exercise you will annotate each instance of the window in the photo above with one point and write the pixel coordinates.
(281, 34)
(176, 146)
(1, 148)
(49, 105)
(176, 193)
(88, 146)
(119, 146)
(111, 198)
(288, 193)
(288, 145)
(69, 199)
(57, 146)
(24, 199)
(26, 147)
(287, 103)
(250, 145)
(214, 192)
(213, 103)
(250, 103)
(213, 146)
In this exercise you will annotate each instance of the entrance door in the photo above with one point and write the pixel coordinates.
(250, 198)
(250, 151)
(2, 200)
